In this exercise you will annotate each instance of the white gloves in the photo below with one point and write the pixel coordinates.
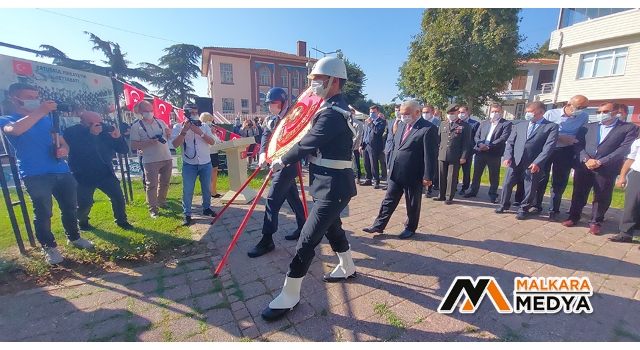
(262, 161)
(277, 165)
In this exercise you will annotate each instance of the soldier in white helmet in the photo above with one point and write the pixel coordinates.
(328, 145)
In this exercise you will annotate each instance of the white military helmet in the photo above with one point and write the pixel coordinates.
(330, 66)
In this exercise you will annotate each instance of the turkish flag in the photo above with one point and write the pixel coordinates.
(22, 68)
(132, 96)
(161, 110)
(181, 116)
(221, 132)
(233, 136)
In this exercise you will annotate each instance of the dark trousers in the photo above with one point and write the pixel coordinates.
(448, 178)
(109, 186)
(519, 192)
(562, 160)
(466, 174)
(513, 176)
(356, 164)
(324, 220)
(583, 181)
(371, 158)
(413, 200)
(493, 163)
(63, 188)
(382, 159)
(435, 185)
(283, 187)
(631, 214)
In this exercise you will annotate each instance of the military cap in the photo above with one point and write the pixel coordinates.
(453, 107)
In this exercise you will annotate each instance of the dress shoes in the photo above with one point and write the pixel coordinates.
(448, 202)
(372, 230)
(594, 229)
(366, 183)
(288, 298)
(569, 223)
(345, 270)
(521, 216)
(263, 247)
(553, 216)
(376, 186)
(622, 238)
(463, 192)
(406, 234)
(383, 187)
(293, 236)
(501, 210)
(494, 200)
(428, 195)
(469, 195)
(438, 199)
(516, 204)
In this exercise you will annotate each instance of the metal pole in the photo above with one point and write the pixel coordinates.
(124, 180)
(12, 215)
(122, 164)
(126, 162)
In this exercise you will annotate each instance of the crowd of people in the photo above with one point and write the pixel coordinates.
(417, 153)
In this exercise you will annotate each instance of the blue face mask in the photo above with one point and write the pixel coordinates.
(373, 115)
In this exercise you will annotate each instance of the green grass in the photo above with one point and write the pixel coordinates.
(149, 237)
(383, 310)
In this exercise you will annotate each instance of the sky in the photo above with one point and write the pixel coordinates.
(375, 39)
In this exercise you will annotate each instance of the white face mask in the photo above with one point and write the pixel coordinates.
(495, 115)
(452, 117)
(462, 116)
(147, 115)
(274, 109)
(407, 119)
(426, 116)
(318, 89)
(575, 111)
(604, 117)
(29, 105)
(619, 116)
(528, 116)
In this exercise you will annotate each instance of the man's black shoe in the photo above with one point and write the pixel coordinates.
(448, 202)
(270, 314)
(186, 220)
(383, 188)
(376, 186)
(406, 234)
(494, 200)
(428, 195)
(366, 183)
(622, 238)
(209, 212)
(469, 195)
(293, 236)
(372, 230)
(85, 226)
(462, 192)
(520, 216)
(125, 226)
(536, 210)
(263, 247)
(516, 204)
(501, 210)
(438, 199)
(553, 216)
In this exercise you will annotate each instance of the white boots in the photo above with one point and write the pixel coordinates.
(285, 301)
(346, 268)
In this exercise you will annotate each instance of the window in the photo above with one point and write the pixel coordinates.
(244, 102)
(226, 73)
(284, 78)
(603, 63)
(571, 16)
(294, 79)
(228, 106)
(519, 83)
(265, 76)
(545, 76)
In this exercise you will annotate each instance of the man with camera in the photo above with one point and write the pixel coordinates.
(194, 138)
(92, 145)
(150, 135)
(40, 150)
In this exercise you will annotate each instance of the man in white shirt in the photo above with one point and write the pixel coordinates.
(194, 139)
(631, 214)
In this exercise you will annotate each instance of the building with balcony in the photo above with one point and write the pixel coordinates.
(599, 58)
(536, 76)
(238, 79)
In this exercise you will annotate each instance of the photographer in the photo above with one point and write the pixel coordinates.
(92, 145)
(41, 166)
(194, 138)
(150, 135)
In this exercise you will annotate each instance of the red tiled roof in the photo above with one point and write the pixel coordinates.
(260, 52)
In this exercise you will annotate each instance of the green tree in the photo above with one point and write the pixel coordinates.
(462, 54)
(352, 90)
(543, 51)
(174, 73)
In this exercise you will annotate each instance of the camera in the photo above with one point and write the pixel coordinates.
(107, 128)
(159, 138)
(63, 107)
(196, 122)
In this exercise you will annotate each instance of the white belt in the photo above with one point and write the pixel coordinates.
(330, 163)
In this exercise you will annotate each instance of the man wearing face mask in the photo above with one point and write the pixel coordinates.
(328, 145)
(622, 111)
(489, 141)
(392, 126)
(455, 140)
(528, 149)
(44, 174)
(412, 167)
(372, 146)
(146, 135)
(237, 126)
(91, 150)
(283, 183)
(602, 150)
(465, 115)
(570, 119)
(429, 114)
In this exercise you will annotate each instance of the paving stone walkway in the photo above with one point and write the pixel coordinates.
(399, 286)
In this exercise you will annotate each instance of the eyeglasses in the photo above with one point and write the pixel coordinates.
(580, 108)
(605, 111)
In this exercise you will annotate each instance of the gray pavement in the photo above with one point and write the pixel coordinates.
(399, 286)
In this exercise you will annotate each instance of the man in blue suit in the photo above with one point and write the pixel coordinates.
(465, 116)
(372, 146)
(528, 149)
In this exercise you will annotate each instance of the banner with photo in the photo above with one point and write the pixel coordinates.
(82, 90)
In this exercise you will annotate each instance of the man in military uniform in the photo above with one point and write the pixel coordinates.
(328, 145)
(283, 183)
(455, 139)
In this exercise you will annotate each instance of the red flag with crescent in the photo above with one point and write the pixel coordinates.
(132, 96)
(22, 68)
(181, 116)
(161, 110)
(294, 125)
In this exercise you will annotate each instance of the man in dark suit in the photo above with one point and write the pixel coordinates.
(455, 137)
(429, 114)
(412, 166)
(528, 149)
(328, 145)
(372, 146)
(392, 126)
(602, 148)
(465, 115)
(490, 141)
